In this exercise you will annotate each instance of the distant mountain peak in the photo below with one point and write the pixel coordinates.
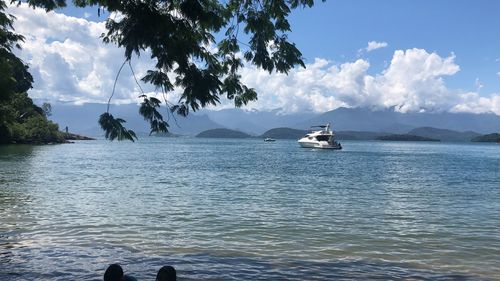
(390, 121)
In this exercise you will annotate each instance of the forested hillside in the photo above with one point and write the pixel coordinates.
(21, 121)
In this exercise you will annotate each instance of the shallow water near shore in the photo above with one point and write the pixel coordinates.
(250, 210)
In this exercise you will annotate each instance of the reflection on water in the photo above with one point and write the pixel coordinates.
(232, 209)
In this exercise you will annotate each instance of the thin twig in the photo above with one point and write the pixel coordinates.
(243, 43)
(169, 108)
(114, 85)
(135, 78)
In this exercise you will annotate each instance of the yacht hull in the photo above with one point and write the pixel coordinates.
(318, 144)
(322, 139)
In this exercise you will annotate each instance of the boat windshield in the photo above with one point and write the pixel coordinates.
(322, 138)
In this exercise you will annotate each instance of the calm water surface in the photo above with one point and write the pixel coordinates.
(250, 210)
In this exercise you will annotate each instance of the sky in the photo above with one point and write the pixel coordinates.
(410, 55)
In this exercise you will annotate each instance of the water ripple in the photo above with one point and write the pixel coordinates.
(247, 210)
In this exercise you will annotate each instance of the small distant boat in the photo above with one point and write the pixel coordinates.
(269, 139)
(322, 138)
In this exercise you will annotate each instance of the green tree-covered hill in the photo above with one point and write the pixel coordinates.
(284, 133)
(405, 137)
(443, 134)
(21, 121)
(495, 137)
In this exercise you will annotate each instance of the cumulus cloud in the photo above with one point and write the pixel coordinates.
(413, 81)
(473, 102)
(71, 64)
(69, 61)
(373, 45)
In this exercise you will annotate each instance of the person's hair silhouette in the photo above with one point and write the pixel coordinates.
(166, 273)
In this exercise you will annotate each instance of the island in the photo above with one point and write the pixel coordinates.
(405, 137)
(494, 137)
(223, 133)
(284, 133)
(444, 134)
(358, 135)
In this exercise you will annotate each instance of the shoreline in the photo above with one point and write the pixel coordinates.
(64, 138)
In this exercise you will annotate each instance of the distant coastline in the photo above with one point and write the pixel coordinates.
(59, 138)
(405, 137)
(71, 137)
(417, 134)
(495, 137)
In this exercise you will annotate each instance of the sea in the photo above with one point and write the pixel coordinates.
(245, 209)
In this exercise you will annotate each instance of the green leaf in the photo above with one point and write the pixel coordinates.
(148, 110)
(114, 129)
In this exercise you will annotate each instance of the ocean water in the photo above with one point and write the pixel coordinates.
(250, 210)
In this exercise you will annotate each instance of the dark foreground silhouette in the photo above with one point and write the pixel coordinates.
(166, 273)
(114, 272)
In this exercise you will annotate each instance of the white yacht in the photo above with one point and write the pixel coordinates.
(322, 138)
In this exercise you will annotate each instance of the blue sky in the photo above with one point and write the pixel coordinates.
(469, 29)
(438, 55)
(337, 29)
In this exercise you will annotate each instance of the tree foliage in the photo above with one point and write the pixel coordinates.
(47, 109)
(23, 122)
(114, 129)
(180, 36)
(15, 77)
(20, 120)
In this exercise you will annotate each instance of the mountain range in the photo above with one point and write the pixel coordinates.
(82, 119)
(363, 119)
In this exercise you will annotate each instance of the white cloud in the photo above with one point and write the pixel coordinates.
(473, 102)
(373, 45)
(69, 61)
(413, 81)
(71, 64)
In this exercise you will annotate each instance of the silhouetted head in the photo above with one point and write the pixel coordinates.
(166, 273)
(114, 272)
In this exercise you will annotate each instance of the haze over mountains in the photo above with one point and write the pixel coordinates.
(83, 119)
